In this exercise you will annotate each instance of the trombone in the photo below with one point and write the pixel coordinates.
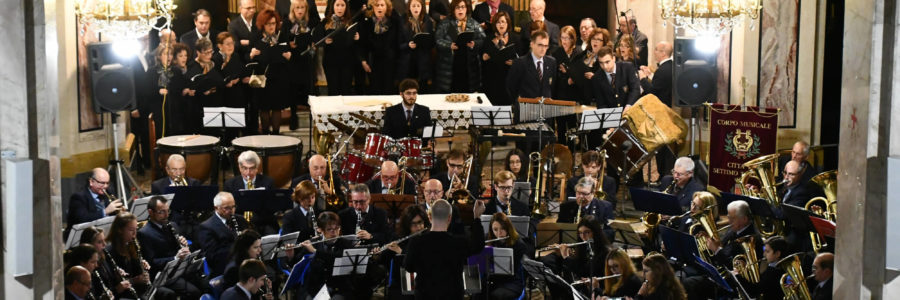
(534, 160)
(461, 194)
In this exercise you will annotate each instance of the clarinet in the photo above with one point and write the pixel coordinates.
(116, 267)
(312, 210)
(237, 229)
(106, 290)
(359, 221)
(178, 237)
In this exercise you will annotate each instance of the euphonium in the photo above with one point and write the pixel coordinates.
(705, 228)
(747, 265)
(764, 169)
(796, 289)
(825, 206)
(651, 220)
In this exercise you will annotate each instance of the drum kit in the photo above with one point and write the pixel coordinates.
(358, 166)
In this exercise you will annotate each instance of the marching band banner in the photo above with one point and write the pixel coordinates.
(735, 137)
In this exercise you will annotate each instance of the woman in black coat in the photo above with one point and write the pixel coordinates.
(457, 65)
(164, 78)
(177, 92)
(494, 66)
(377, 47)
(414, 60)
(234, 76)
(272, 54)
(566, 55)
(205, 80)
(299, 30)
(339, 58)
(584, 68)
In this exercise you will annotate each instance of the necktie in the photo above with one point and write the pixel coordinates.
(408, 115)
(249, 184)
(540, 71)
(612, 80)
(99, 203)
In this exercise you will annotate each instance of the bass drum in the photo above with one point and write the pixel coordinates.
(354, 169)
(199, 151)
(279, 155)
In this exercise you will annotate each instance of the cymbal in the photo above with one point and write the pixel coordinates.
(365, 119)
(562, 158)
(360, 133)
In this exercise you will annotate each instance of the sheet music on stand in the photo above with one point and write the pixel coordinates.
(492, 115)
(175, 268)
(223, 117)
(556, 233)
(78, 229)
(139, 207)
(626, 231)
(290, 238)
(521, 223)
(600, 119)
(433, 131)
(354, 261)
(267, 244)
(540, 272)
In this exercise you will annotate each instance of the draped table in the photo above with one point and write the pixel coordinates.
(449, 115)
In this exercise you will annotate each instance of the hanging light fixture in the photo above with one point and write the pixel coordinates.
(709, 17)
(125, 19)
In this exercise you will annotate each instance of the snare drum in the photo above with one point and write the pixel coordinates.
(354, 169)
(279, 155)
(199, 151)
(376, 149)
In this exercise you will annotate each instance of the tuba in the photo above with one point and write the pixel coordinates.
(747, 265)
(826, 207)
(793, 283)
(764, 169)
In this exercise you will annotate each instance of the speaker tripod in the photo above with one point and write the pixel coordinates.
(117, 168)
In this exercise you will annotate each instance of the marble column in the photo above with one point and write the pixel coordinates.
(29, 130)
(867, 99)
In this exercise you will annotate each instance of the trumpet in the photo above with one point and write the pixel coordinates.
(554, 247)
(461, 193)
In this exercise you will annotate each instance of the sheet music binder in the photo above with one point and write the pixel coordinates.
(655, 202)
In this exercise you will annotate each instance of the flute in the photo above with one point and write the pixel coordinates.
(400, 240)
(586, 280)
(554, 247)
(286, 247)
(496, 240)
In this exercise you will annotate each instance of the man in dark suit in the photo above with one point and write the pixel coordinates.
(799, 154)
(242, 28)
(456, 160)
(531, 75)
(433, 191)
(485, 11)
(248, 163)
(202, 20)
(590, 167)
(92, 203)
(216, 235)
(616, 84)
(362, 217)
(390, 180)
(252, 276)
(175, 169)
(406, 119)
(769, 286)
(682, 183)
(587, 204)
(741, 225)
(661, 84)
(78, 283)
(794, 191)
(503, 184)
(318, 175)
(585, 28)
(160, 246)
(536, 11)
(823, 269)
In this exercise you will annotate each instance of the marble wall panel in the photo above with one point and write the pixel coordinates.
(779, 41)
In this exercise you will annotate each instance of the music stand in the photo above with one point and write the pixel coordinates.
(602, 118)
(353, 262)
(192, 198)
(77, 229)
(223, 118)
(298, 272)
(679, 245)
(139, 207)
(267, 245)
(799, 218)
(539, 272)
(556, 233)
(393, 204)
(490, 116)
(290, 238)
(521, 223)
(263, 202)
(713, 274)
(626, 231)
(655, 202)
(758, 206)
(521, 193)
(174, 269)
(823, 226)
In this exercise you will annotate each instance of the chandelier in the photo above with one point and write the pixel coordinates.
(709, 17)
(125, 19)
